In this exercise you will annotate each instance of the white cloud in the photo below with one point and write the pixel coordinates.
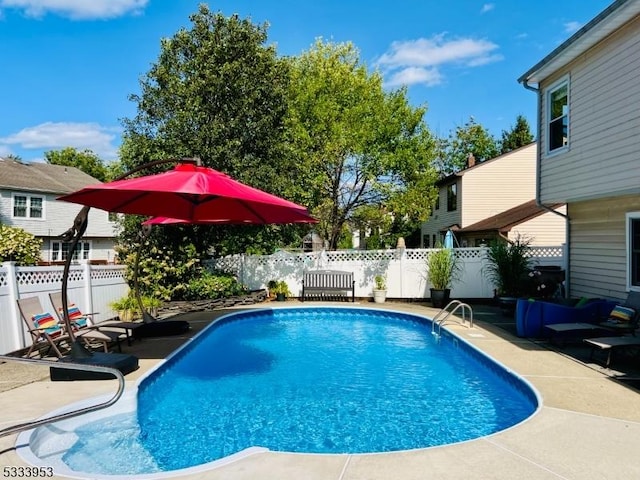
(77, 9)
(53, 136)
(572, 27)
(414, 75)
(487, 7)
(423, 59)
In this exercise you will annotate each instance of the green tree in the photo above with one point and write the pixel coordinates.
(357, 145)
(519, 136)
(87, 161)
(218, 92)
(468, 139)
(19, 246)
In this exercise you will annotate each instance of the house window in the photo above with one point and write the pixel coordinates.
(633, 250)
(438, 201)
(425, 241)
(558, 116)
(60, 251)
(452, 197)
(28, 206)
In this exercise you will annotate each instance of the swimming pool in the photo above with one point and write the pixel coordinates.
(312, 380)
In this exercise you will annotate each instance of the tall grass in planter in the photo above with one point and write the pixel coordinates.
(443, 269)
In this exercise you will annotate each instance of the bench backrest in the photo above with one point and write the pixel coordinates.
(328, 279)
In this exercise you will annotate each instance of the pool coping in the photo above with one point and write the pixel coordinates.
(585, 428)
(39, 439)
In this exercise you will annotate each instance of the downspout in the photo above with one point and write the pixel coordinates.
(539, 202)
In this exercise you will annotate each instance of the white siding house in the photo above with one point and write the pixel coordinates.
(589, 150)
(28, 193)
(494, 198)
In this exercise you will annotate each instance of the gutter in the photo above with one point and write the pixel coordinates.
(539, 203)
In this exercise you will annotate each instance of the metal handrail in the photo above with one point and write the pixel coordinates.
(74, 413)
(457, 305)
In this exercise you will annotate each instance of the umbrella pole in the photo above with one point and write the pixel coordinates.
(73, 235)
(146, 316)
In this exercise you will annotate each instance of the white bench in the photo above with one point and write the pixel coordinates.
(328, 285)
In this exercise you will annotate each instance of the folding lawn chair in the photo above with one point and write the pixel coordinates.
(32, 310)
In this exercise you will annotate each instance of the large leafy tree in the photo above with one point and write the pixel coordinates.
(518, 136)
(218, 92)
(356, 144)
(85, 160)
(468, 139)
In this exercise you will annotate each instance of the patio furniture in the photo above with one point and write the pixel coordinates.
(43, 328)
(32, 311)
(611, 344)
(616, 319)
(541, 318)
(328, 285)
(106, 326)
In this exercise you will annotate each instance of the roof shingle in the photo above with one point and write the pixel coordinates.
(42, 177)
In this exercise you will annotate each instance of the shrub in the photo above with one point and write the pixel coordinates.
(19, 246)
(213, 285)
(508, 266)
(130, 302)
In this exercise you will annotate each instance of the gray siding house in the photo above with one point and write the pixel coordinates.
(589, 150)
(28, 193)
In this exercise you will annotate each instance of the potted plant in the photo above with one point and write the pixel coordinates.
(280, 290)
(443, 268)
(379, 289)
(128, 308)
(271, 286)
(508, 266)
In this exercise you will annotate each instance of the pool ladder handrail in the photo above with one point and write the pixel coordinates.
(74, 413)
(443, 315)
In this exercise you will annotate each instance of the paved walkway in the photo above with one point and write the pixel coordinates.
(588, 428)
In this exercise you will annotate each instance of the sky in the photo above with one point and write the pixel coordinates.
(68, 67)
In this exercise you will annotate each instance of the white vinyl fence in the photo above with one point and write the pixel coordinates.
(94, 287)
(405, 269)
(91, 287)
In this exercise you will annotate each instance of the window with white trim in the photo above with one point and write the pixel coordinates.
(558, 116)
(633, 250)
(60, 251)
(28, 206)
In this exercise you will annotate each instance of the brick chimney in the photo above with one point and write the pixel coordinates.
(471, 160)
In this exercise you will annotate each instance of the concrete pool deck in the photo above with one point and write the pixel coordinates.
(587, 428)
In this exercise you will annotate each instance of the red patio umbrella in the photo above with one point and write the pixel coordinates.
(290, 216)
(191, 193)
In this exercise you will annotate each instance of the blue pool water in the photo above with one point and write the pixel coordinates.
(314, 380)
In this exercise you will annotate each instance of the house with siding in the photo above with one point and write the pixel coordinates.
(28, 193)
(493, 199)
(589, 154)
